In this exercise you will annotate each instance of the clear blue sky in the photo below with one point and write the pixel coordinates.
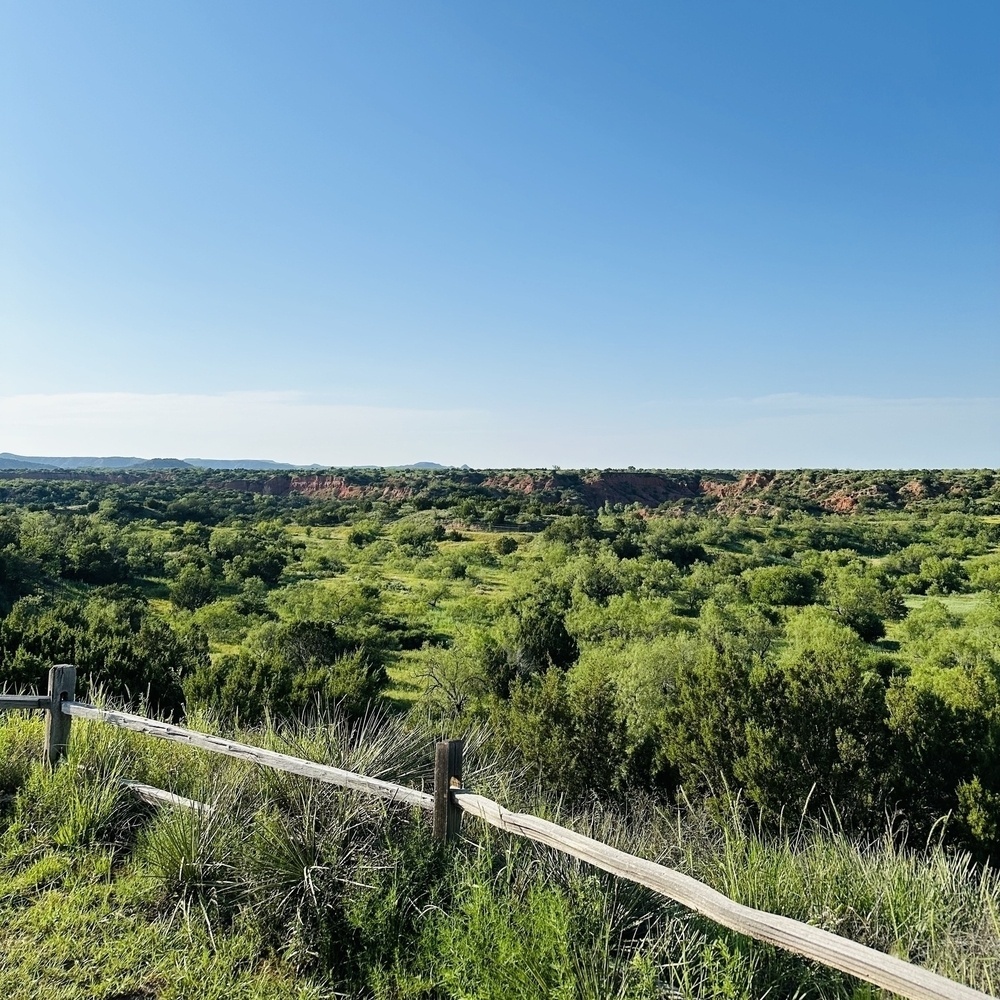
(586, 234)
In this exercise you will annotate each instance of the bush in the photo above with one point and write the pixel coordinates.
(781, 585)
(363, 533)
(192, 588)
(505, 545)
(286, 669)
(118, 643)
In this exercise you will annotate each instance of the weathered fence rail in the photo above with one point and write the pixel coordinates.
(11, 702)
(811, 942)
(256, 755)
(450, 800)
(158, 797)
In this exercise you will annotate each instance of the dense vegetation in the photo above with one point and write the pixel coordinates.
(823, 646)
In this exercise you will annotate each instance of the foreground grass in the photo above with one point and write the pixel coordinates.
(71, 929)
(290, 889)
(82, 915)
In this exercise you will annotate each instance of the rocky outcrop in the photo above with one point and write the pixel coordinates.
(321, 487)
(847, 501)
(648, 489)
(913, 490)
(748, 483)
(272, 486)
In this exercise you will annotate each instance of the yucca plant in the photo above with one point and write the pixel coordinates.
(196, 852)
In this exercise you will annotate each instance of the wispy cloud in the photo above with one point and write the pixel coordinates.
(776, 431)
(286, 426)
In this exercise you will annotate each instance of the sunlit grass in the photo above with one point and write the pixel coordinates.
(294, 889)
(959, 604)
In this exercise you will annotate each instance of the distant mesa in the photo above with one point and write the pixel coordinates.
(161, 463)
(9, 461)
(258, 464)
(31, 463)
(12, 463)
(426, 466)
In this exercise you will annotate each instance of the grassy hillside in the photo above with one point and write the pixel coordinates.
(293, 890)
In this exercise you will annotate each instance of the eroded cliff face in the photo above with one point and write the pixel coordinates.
(341, 488)
(757, 492)
(323, 487)
(272, 486)
(598, 488)
(528, 482)
(649, 489)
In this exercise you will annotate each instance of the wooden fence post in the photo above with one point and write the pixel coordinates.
(62, 687)
(447, 775)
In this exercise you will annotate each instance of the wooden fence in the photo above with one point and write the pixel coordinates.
(447, 806)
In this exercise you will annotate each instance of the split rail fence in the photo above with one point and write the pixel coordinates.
(451, 800)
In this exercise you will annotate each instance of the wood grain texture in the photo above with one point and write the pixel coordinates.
(822, 946)
(62, 688)
(12, 702)
(255, 755)
(447, 776)
(158, 797)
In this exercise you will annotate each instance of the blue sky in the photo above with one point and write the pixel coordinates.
(669, 234)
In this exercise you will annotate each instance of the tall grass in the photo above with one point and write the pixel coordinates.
(335, 893)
